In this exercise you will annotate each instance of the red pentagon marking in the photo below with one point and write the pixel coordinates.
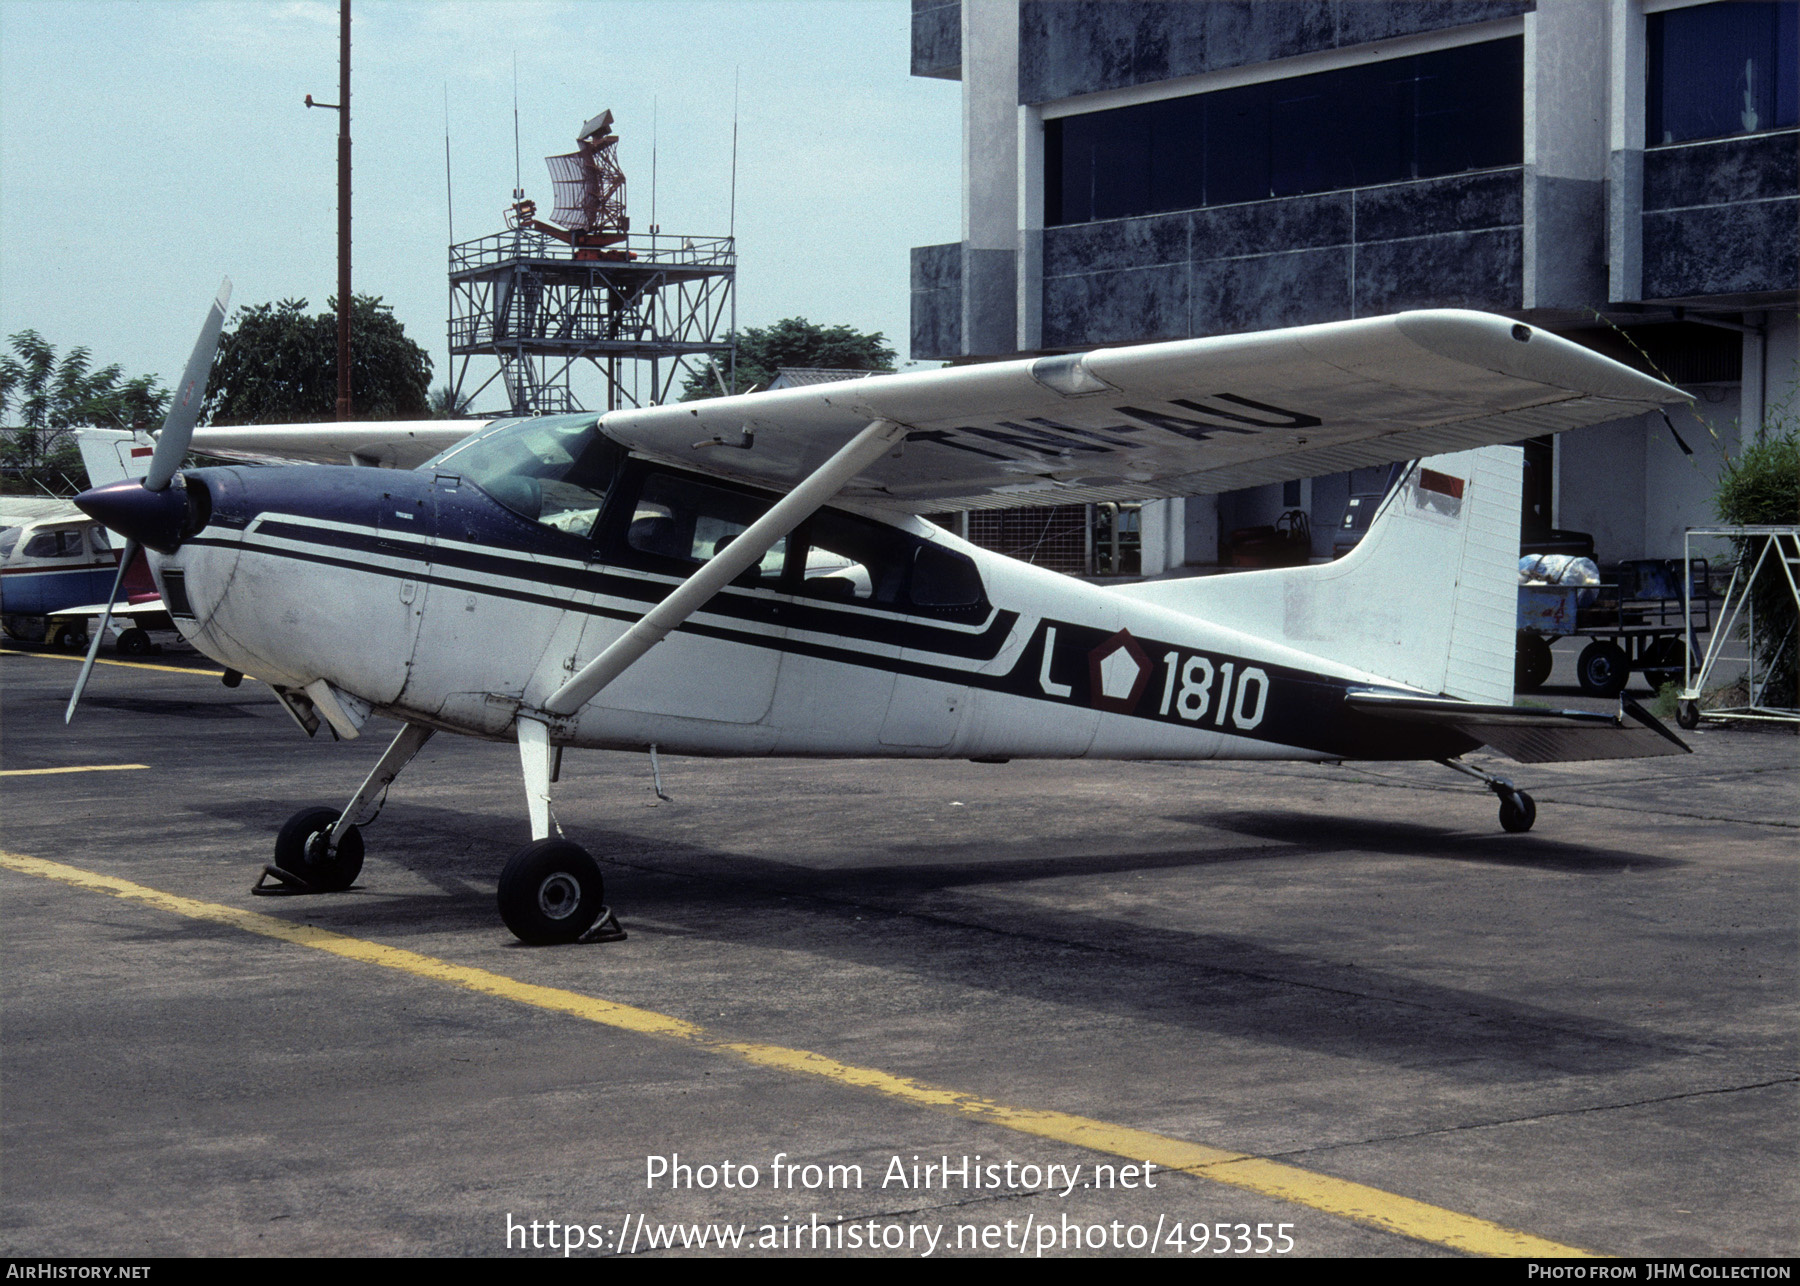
(1118, 671)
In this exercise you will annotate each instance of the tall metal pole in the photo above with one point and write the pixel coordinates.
(344, 407)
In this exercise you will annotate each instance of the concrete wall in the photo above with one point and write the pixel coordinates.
(1178, 533)
(1630, 484)
(1722, 217)
(1070, 47)
(1436, 243)
(1565, 152)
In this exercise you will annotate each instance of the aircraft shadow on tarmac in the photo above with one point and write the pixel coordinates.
(1340, 835)
(930, 920)
(214, 709)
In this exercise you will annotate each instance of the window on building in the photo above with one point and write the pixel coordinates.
(1722, 69)
(1406, 118)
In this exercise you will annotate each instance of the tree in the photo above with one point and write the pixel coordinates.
(279, 366)
(1762, 487)
(446, 405)
(794, 342)
(46, 397)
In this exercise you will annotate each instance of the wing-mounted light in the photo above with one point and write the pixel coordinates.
(1068, 375)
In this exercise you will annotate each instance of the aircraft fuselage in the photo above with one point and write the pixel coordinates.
(859, 635)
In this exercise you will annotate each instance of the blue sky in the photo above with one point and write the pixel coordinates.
(147, 149)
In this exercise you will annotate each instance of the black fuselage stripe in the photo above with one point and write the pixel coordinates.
(786, 612)
(1327, 726)
(847, 656)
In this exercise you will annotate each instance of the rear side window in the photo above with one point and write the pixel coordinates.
(675, 523)
(54, 544)
(944, 578)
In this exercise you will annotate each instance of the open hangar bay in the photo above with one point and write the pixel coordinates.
(1363, 1011)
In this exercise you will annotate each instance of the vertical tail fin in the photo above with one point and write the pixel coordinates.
(112, 455)
(1428, 598)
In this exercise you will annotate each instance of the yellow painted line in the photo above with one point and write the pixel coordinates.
(46, 772)
(129, 665)
(1357, 1202)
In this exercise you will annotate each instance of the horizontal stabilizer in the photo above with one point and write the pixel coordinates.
(1529, 734)
(149, 607)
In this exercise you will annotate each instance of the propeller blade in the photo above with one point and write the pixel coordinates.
(184, 412)
(87, 666)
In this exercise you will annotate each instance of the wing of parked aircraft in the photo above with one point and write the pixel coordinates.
(1191, 417)
(397, 444)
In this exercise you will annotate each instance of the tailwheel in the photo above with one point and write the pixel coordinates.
(304, 849)
(551, 892)
(1517, 811)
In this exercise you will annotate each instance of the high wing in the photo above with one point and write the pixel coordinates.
(1192, 417)
(398, 444)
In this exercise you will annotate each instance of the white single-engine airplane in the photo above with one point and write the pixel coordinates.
(749, 576)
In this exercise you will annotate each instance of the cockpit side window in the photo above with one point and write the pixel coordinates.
(9, 540)
(672, 522)
(679, 520)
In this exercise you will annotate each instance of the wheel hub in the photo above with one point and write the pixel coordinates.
(559, 895)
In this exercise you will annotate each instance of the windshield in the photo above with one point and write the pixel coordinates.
(553, 469)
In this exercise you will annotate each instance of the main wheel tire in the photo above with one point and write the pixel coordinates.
(1531, 663)
(1687, 714)
(1517, 812)
(550, 892)
(304, 847)
(133, 642)
(1664, 663)
(1602, 669)
(70, 638)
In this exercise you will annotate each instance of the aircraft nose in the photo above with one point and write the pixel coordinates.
(157, 519)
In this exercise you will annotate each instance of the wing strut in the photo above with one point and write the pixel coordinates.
(868, 446)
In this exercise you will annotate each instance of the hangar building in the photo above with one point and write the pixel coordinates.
(1621, 172)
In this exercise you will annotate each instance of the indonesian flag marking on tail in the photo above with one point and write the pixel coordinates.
(1439, 493)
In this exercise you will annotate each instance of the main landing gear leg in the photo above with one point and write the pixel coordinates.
(551, 890)
(320, 850)
(1517, 809)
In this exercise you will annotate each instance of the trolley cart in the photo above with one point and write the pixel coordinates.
(1646, 618)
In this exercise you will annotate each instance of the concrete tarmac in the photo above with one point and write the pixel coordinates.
(1348, 981)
